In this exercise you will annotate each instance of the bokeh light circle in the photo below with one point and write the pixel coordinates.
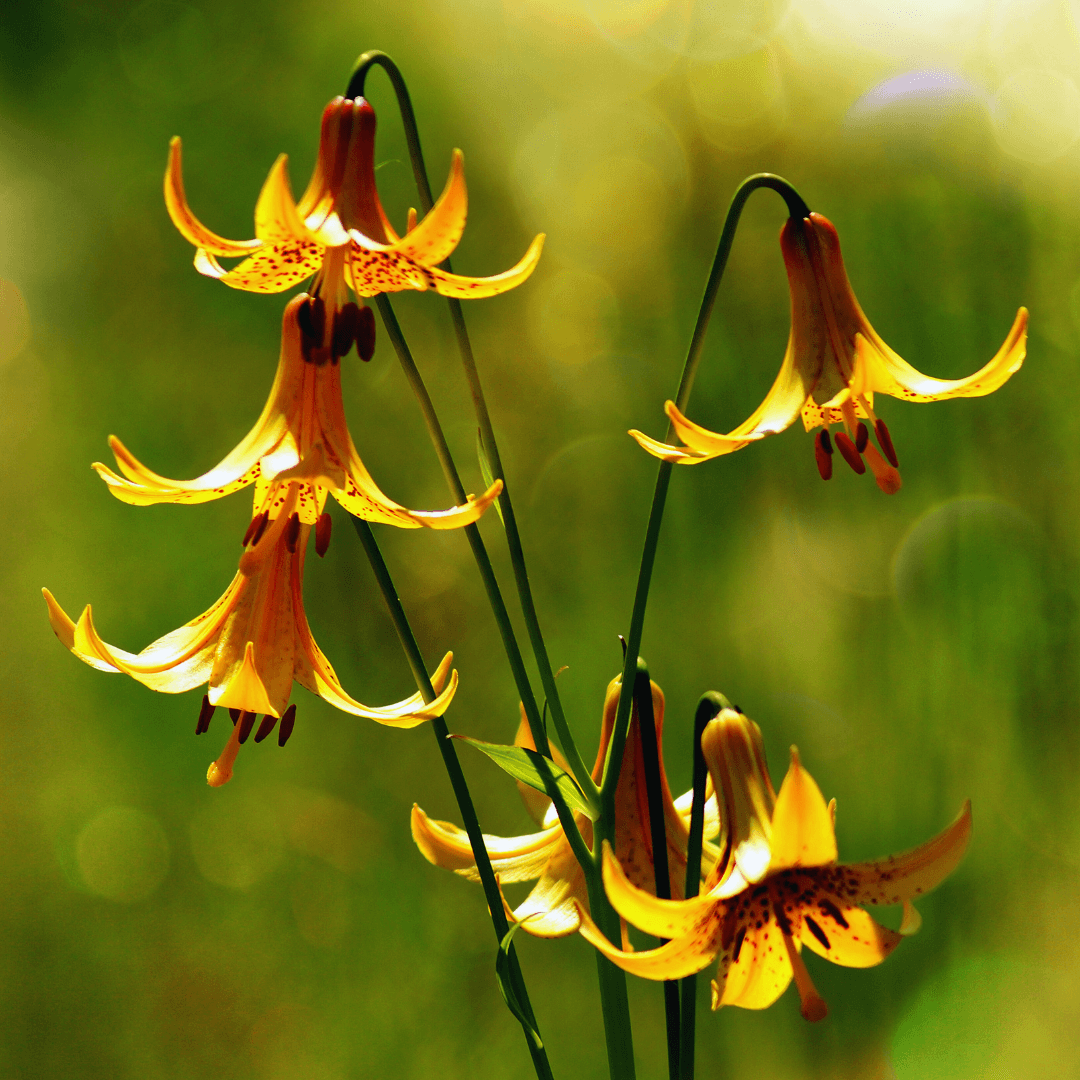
(122, 854)
(1036, 115)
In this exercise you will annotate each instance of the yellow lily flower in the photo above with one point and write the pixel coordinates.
(249, 646)
(552, 908)
(338, 229)
(779, 886)
(301, 436)
(834, 364)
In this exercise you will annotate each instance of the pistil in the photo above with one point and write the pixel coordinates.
(220, 772)
(813, 1007)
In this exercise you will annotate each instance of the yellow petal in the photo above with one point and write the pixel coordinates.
(551, 910)
(537, 804)
(913, 873)
(911, 921)
(680, 455)
(276, 219)
(64, 629)
(275, 268)
(845, 934)
(190, 227)
(245, 688)
(433, 239)
(760, 973)
(886, 373)
(802, 829)
(469, 288)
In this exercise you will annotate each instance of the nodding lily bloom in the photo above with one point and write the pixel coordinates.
(834, 364)
(338, 230)
(776, 888)
(300, 436)
(250, 646)
(551, 908)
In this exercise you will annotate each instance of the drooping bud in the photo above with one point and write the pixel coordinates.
(850, 453)
(885, 442)
(823, 454)
(292, 531)
(287, 721)
(365, 333)
(322, 534)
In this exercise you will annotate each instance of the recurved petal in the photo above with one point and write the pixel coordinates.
(469, 288)
(755, 970)
(684, 806)
(436, 236)
(541, 920)
(680, 957)
(802, 828)
(913, 873)
(187, 223)
(273, 269)
(276, 217)
(661, 918)
(680, 455)
(515, 858)
(846, 935)
(64, 629)
(889, 374)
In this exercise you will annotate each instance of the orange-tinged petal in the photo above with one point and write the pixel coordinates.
(761, 973)
(552, 908)
(189, 226)
(469, 288)
(680, 455)
(846, 935)
(433, 239)
(276, 218)
(64, 629)
(245, 688)
(886, 373)
(913, 873)
(802, 829)
(274, 268)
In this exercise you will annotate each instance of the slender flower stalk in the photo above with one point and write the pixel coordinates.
(457, 782)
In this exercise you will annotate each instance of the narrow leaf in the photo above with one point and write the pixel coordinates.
(525, 765)
(485, 470)
(506, 985)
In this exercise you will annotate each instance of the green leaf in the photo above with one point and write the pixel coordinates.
(485, 471)
(525, 765)
(506, 985)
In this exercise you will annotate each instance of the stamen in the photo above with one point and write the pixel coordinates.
(265, 727)
(220, 772)
(322, 534)
(813, 1007)
(851, 454)
(816, 931)
(264, 520)
(823, 454)
(247, 722)
(862, 437)
(205, 715)
(292, 531)
(312, 319)
(234, 715)
(885, 442)
(847, 411)
(365, 333)
(253, 524)
(287, 721)
(888, 478)
(345, 323)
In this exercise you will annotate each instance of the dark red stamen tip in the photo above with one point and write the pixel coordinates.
(862, 436)
(851, 455)
(247, 722)
(234, 715)
(205, 715)
(365, 333)
(292, 532)
(823, 455)
(345, 323)
(826, 442)
(263, 520)
(253, 524)
(287, 721)
(322, 534)
(265, 727)
(312, 319)
(885, 442)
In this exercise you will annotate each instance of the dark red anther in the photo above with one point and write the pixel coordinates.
(365, 333)
(265, 727)
(851, 455)
(862, 436)
(322, 534)
(292, 532)
(263, 520)
(823, 455)
(247, 722)
(287, 721)
(312, 319)
(345, 323)
(234, 715)
(253, 524)
(205, 715)
(885, 442)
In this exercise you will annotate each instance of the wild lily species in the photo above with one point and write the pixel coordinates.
(777, 887)
(250, 646)
(338, 230)
(300, 441)
(834, 364)
(551, 908)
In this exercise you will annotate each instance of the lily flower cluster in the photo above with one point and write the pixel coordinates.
(254, 642)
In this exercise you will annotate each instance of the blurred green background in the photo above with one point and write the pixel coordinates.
(919, 649)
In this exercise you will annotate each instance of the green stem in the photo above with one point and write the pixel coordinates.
(650, 757)
(487, 434)
(457, 782)
(487, 571)
(798, 209)
(708, 707)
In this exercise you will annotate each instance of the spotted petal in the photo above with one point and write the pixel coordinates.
(470, 288)
(435, 237)
(845, 934)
